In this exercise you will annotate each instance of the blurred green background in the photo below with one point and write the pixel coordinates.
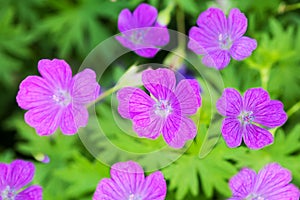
(31, 30)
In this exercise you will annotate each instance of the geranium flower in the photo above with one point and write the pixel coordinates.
(167, 112)
(56, 99)
(13, 177)
(128, 182)
(218, 38)
(141, 31)
(271, 183)
(244, 114)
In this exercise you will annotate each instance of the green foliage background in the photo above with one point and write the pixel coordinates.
(35, 29)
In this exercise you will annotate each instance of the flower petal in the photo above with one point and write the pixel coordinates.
(133, 101)
(188, 96)
(44, 119)
(273, 181)
(230, 103)
(4, 174)
(242, 184)
(156, 36)
(107, 189)
(21, 173)
(33, 91)
(154, 187)
(85, 87)
(242, 48)
(129, 176)
(73, 117)
(160, 82)
(148, 125)
(256, 137)
(31, 193)
(270, 114)
(255, 97)
(218, 59)
(177, 130)
(56, 72)
(146, 52)
(145, 15)
(201, 41)
(126, 20)
(232, 132)
(213, 21)
(237, 24)
(288, 192)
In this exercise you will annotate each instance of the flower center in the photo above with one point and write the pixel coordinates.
(254, 197)
(163, 108)
(62, 97)
(246, 117)
(134, 197)
(224, 41)
(8, 194)
(137, 36)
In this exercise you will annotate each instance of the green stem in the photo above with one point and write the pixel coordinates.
(265, 74)
(103, 95)
(286, 8)
(181, 28)
(293, 109)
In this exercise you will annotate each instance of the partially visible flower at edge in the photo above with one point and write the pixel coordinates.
(218, 38)
(244, 114)
(56, 99)
(141, 32)
(13, 177)
(128, 182)
(271, 183)
(167, 112)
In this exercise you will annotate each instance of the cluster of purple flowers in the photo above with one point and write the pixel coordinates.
(58, 100)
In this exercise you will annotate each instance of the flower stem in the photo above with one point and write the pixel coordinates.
(293, 109)
(180, 27)
(103, 95)
(265, 74)
(285, 8)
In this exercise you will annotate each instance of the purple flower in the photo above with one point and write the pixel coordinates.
(244, 114)
(271, 183)
(167, 112)
(13, 177)
(56, 99)
(128, 182)
(218, 38)
(141, 32)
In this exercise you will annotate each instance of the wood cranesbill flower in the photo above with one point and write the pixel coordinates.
(218, 38)
(13, 177)
(245, 114)
(271, 183)
(128, 182)
(141, 32)
(167, 112)
(57, 99)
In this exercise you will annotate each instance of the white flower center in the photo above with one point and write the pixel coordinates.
(8, 194)
(224, 41)
(134, 197)
(246, 117)
(254, 197)
(163, 108)
(62, 97)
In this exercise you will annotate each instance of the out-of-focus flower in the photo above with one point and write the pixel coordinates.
(56, 99)
(141, 32)
(13, 177)
(167, 112)
(271, 183)
(128, 182)
(218, 38)
(244, 114)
